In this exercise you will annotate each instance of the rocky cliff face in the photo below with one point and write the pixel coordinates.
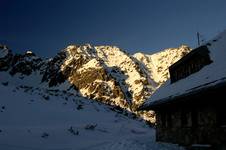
(103, 73)
(5, 58)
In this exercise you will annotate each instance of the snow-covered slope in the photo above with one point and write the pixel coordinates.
(33, 118)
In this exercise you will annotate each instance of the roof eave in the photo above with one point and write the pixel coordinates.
(183, 97)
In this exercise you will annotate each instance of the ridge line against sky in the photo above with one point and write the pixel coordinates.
(47, 26)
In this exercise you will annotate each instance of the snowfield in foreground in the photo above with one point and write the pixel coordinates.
(31, 120)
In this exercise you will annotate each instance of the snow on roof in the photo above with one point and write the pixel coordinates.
(208, 76)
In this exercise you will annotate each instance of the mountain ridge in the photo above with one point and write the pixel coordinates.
(104, 73)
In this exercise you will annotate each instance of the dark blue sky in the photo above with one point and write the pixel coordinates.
(46, 26)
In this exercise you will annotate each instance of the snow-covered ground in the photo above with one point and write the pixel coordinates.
(35, 119)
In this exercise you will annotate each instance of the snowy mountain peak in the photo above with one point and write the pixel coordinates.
(3, 47)
(110, 75)
(29, 52)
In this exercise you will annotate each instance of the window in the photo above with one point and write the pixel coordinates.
(163, 119)
(194, 118)
(191, 63)
(184, 119)
(221, 117)
(166, 119)
(169, 119)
